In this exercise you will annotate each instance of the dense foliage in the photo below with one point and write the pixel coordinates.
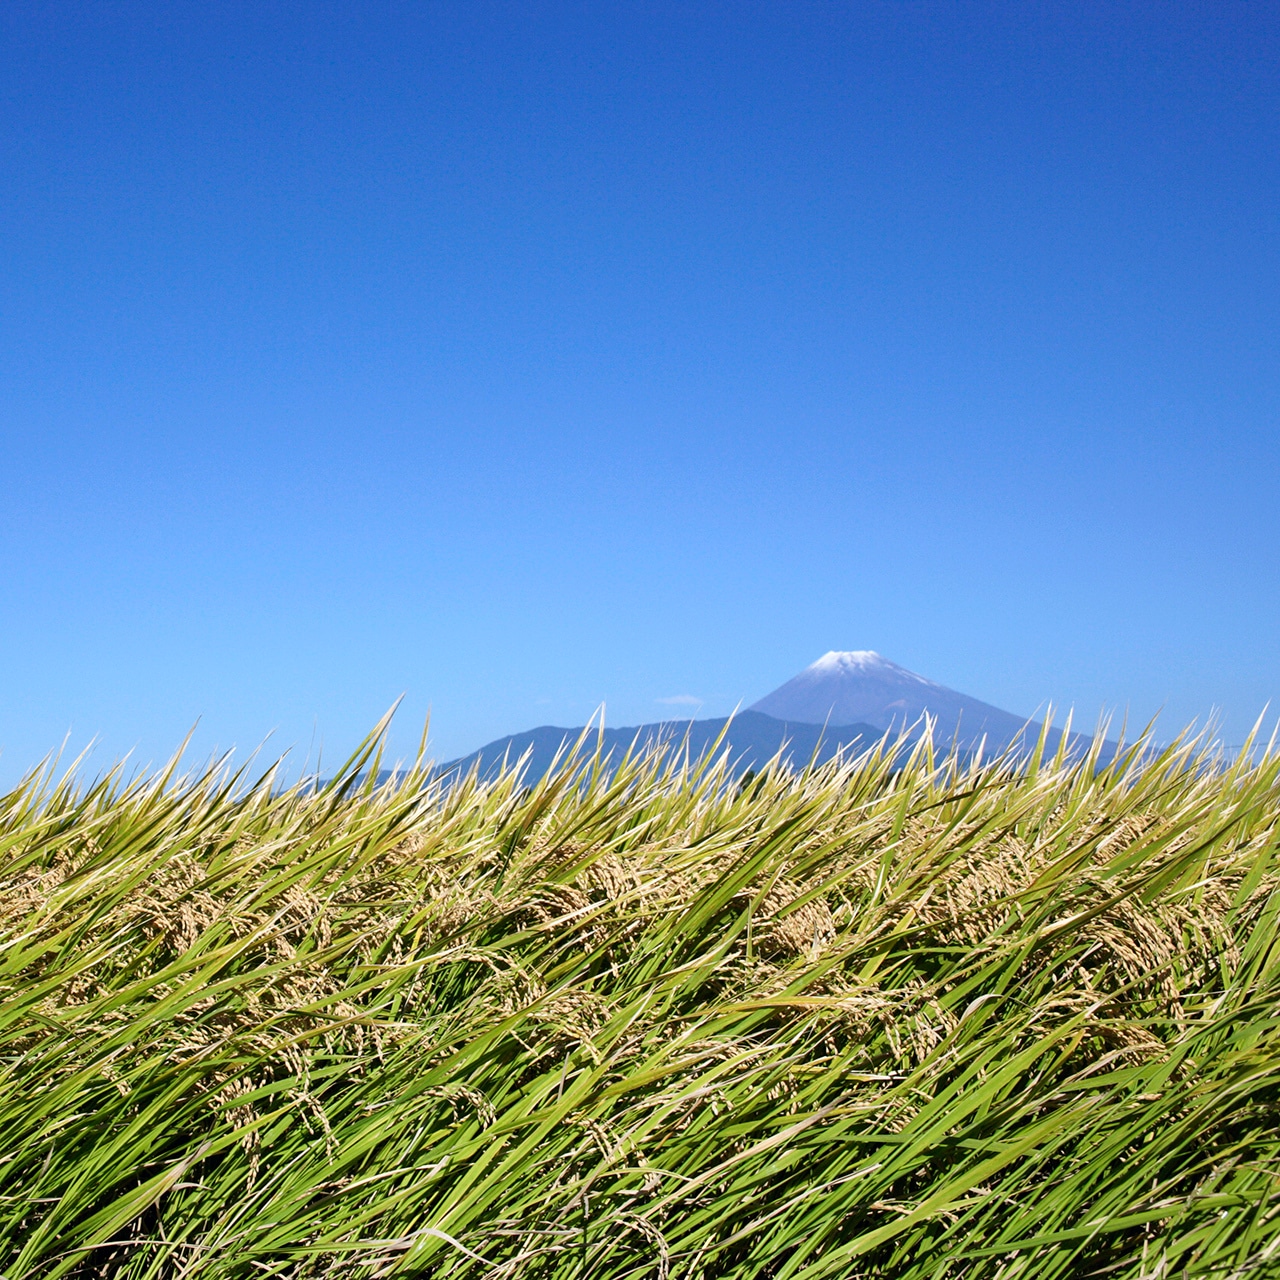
(923, 1019)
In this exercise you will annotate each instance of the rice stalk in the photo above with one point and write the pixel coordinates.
(903, 1015)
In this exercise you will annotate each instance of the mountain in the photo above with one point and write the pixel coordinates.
(845, 701)
(753, 739)
(860, 686)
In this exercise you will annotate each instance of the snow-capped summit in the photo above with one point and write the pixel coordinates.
(860, 687)
(864, 660)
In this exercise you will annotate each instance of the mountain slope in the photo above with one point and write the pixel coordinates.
(752, 740)
(860, 686)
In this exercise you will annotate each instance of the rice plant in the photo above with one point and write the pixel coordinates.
(898, 1016)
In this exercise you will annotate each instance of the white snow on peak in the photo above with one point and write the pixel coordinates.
(863, 661)
(850, 658)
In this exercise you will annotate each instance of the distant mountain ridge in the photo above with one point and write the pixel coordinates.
(752, 739)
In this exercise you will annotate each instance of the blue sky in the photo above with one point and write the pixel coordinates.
(516, 358)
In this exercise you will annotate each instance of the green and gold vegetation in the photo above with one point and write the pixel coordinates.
(929, 1019)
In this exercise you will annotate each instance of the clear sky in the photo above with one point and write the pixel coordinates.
(519, 357)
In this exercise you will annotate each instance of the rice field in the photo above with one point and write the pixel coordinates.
(888, 1017)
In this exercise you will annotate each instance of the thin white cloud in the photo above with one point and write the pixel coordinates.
(681, 700)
